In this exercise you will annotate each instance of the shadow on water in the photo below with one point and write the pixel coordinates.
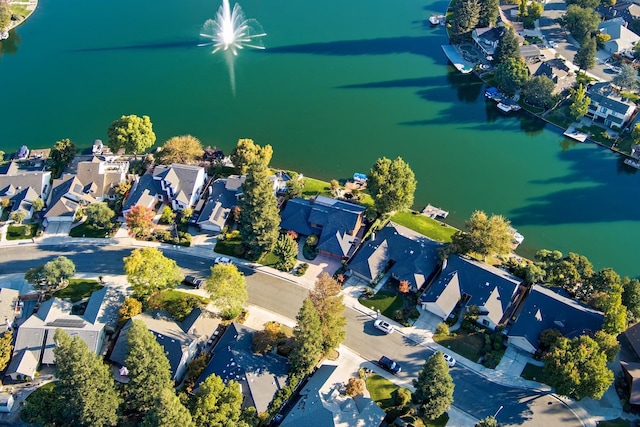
(180, 44)
(10, 45)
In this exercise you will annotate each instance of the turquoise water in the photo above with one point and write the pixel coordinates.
(339, 85)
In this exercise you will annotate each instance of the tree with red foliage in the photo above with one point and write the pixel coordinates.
(403, 287)
(139, 221)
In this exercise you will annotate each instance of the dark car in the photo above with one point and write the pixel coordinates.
(389, 365)
(192, 281)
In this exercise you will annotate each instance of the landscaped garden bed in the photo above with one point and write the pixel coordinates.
(90, 230)
(19, 232)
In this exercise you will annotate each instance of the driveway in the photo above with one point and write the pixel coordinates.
(57, 228)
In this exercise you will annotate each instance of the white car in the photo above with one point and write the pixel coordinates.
(615, 69)
(222, 260)
(450, 360)
(384, 326)
(553, 44)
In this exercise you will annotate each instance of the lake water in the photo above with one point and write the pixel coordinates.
(339, 85)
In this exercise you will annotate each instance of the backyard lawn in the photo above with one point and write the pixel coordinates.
(178, 304)
(386, 302)
(466, 344)
(429, 227)
(19, 232)
(314, 187)
(88, 230)
(78, 289)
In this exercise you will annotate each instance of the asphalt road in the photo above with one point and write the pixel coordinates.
(473, 394)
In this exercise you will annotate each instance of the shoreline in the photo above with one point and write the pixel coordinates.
(31, 7)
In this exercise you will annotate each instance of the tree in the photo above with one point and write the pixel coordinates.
(489, 421)
(133, 133)
(18, 216)
(392, 185)
(61, 156)
(585, 4)
(168, 411)
(508, 47)
(534, 10)
(6, 349)
(403, 287)
(511, 75)
(149, 370)
(227, 288)
(330, 308)
(185, 149)
(485, 235)
(85, 384)
(488, 13)
(186, 215)
(466, 16)
(585, 57)
(581, 23)
(130, 307)
(167, 216)
(37, 204)
(627, 79)
(307, 339)
(99, 214)
(139, 221)
(5, 15)
(259, 214)
(631, 298)
(538, 91)
(247, 152)
(577, 368)
(295, 186)
(615, 314)
(434, 387)
(286, 249)
(219, 405)
(608, 344)
(579, 102)
(355, 387)
(149, 271)
(57, 271)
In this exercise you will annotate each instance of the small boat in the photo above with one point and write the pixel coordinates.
(632, 163)
(434, 20)
(508, 107)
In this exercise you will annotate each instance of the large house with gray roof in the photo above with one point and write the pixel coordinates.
(608, 107)
(259, 376)
(404, 253)
(10, 309)
(546, 309)
(101, 176)
(336, 223)
(222, 197)
(470, 283)
(321, 404)
(22, 176)
(68, 194)
(20, 200)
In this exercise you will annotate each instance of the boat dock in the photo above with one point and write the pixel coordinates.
(456, 59)
(434, 213)
(575, 134)
(633, 163)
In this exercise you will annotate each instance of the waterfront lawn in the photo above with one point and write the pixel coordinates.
(89, 230)
(78, 289)
(598, 134)
(20, 10)
(314, 187)
(466, 344)
(19, 232)
(560, 116)
(429, 227)
(385, 302)
(533, 373)
(178, 304)
(625, 143)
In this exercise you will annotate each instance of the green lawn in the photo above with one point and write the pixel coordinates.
(178, 304)
(429, 227)
(78, 289)
(618, 422)
(88, 230)
(382, 390)
(314, 187)
(231, 247)
(466, 344)
(533, 373)
(387, 302)
(269, 259)
(19, 232)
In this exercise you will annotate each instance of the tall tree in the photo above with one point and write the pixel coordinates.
(466, 16)
(631, 298)
(37, 204)
(85, 384)
(485, 235)
(149, 271)
(307, 338)
(581, 23)
(585, 57)
(185, 149)
(579, 102)
(392, 185)
(168, 411)
(489, 421)
(99, 214)
(61, 156)
(259, 215)
(538, 91)
(511, 75)
(615, 314)
(534, 10)
(134, 134)
(247, 152)
(434, 387)
(18, 216)
(58, 271)
(295, 186)
(578, 368)
(608, 344)
(330, 307)
(508, 47)
(286, 249)
(219, 405)
(228, 289)
(488, 13)
(585, 4)
(130, 307)
(139, 221)
(627, 79)
(6, 349)
(149, 370)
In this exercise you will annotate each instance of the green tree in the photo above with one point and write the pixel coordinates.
(615, 314)
(511, 75)
(219, 405)
(61, 156)
(466, 16)
(85, 384)
(577, 368)
(139, 221)
(248, 152)
(167, 216)
(186, 214)
(581, 23)
(133, 133)
(149, 370)
(286, 249)
(631, 298)
(149, 271)
(538, 91)
(295, 187)
(534, 10)
(434, 387)
(168, 411)
(44, 407)
(585, 57)
(488, 13)
(37, 204)
(627, 79)
(18, 216)
(392, 185)
(307, 339)
(608, 344)
(57, 271)
(228, 289)
(131, 307)
(99, 214)
(330, 307)
(485, 235)
(185, 149)
(579, 102)
(489, 421)
(259, 214)
(6, 349)
(585, 4)
(5, 15)
(508, 47)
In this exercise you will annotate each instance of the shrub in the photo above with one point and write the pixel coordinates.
(442, 329)
(355, 386)
(398, 315)
(312, 241)
(301, 269)
(403, 396)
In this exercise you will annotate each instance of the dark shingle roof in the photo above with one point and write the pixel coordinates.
(599, 96)
(145, 187)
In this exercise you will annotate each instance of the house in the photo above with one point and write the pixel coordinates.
(6, 402)
(68, 194)
(21, 176)
(179, 345)
(608, 107)
(545, 309)
(335, 222)
(624, 10)
(279, 181)
(631, 373)
(9, 308)
(34, 342)
(102, 176)
(555, 69)
(529, 52)
(471, 283)
(622, 39)
(633, 336)
(20, 200)
(321, 404)
(400, 252)
(487, 38)
(223, 197)
(259, 376)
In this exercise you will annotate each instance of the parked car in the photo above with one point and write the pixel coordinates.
(553, 44)
(384, 326)
(389, 365)
(222, 260)
(450, 360)
(193, 281)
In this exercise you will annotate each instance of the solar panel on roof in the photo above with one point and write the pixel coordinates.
(67, 323)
